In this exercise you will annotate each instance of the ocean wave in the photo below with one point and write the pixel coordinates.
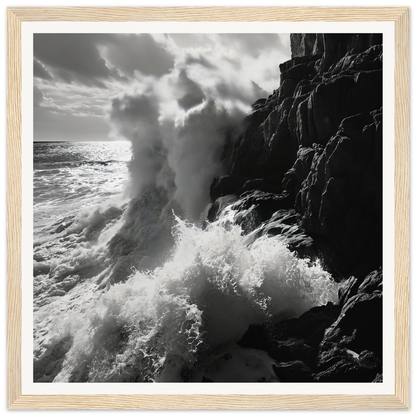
(177, 320)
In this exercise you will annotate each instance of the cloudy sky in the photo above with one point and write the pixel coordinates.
(93, 86)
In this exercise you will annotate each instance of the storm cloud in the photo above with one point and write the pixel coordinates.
(175, 97)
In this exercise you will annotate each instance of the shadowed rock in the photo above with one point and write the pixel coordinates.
(310, 157)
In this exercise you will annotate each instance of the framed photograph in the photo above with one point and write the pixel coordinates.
(200, 200)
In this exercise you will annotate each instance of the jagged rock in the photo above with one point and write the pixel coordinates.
(266, 149)
(331, 102)
(294, 343)
(286, 90)
(292, 118)
(312, 324)
(363, 313)
(319, 138)
(361, 317)
(302, 44)
(304, 87)
(297, 60)
(255, 207)
(309, 327)
(293, 371)
(302, 124)
(259, 104)
(268, 338)
(333, 46)
(282, 150)
(372, 282)
(368, 91)
(338, 363)
(261, 184)
(246, 144)
(369, 60)
(308, 199)
(336, 199)
(354, 340)
(346, 370)
(369, 359)
(219, 205)
(225, 185)
(295, 176)
(347, 289)
(318, 47)
(293, 349)
(298, 73)
(378, 378)
(336, 46)
(285, 225)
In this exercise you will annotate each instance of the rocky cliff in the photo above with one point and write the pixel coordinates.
(306, 164)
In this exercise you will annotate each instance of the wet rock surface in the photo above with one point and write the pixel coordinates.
(306, 167)
(331, 343)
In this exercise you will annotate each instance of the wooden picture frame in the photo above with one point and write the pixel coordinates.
(15, 399)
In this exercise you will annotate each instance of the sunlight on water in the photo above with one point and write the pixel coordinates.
(69, 176)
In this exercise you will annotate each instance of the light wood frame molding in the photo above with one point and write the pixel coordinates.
(15, 17)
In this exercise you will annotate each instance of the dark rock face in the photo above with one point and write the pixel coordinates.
(256, 207)
(225, 185)
(302, 44)
(337, 46)
(295, 371)
(341, 196)
(264, 149)
(331, 343)
(351, 348)
(306, 165)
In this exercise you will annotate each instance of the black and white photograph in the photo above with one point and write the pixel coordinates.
(207, 207)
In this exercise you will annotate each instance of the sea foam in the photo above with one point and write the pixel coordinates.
(176, 319)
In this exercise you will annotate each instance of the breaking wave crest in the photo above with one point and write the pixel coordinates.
(173, 322)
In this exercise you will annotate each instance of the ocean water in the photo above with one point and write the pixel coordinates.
(126, 289)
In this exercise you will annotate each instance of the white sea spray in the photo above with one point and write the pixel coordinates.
(197, 304)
